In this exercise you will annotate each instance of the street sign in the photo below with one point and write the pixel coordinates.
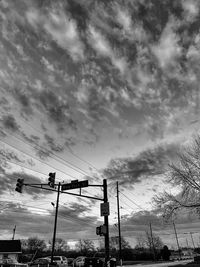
(74, 184)
(105, 210)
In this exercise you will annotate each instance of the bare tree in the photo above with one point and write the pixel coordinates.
(84, 245)
(185, 176)
(60, 245)
(148, 241)
(35, 244)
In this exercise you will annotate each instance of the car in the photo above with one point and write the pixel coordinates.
(60, 260)
(94, 261)
(79, 261)
(41, 262)
(70, 261)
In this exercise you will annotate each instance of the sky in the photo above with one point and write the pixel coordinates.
(93, 90)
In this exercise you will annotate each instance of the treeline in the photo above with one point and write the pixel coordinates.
(34, 247)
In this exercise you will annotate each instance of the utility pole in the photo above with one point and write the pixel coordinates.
(55, 224)
(14, 233)
(187, 243)
(119, 228)
(105, 200)
(192, 240)
(153, 247)
(177, 240)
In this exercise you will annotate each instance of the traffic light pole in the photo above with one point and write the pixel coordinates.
(55, 224)
(119, 228)
(61, 188)
(105, 199)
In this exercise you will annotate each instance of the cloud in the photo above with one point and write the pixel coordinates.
(61, 28)
(52, 145)
(191, 8)
(167, 50)
(9, 122)
(148, 163)
(103, 48)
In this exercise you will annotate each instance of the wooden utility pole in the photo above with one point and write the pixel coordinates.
(153, 247)
(192, 240)
(179, 250)
(119, 228)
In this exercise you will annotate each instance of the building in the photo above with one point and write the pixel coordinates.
(10, 251)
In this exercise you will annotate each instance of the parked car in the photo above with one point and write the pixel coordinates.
(62, 261)
(79, 261)
(41, 262)
(70, 261)
(94, 261)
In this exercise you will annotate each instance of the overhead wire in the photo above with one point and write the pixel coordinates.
(132, 201)
(60, 160)
(81, 172)
(78, 157)
(37, 159)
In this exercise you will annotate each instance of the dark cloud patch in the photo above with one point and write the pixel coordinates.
(9, 155)
(78, 207)
(58, 109)
(52, 145)
(75, 212)
(69, 226)
(148, 163)
(9, 122)
(144, 218)
(23, 96)
(33, 139)
(79, 13)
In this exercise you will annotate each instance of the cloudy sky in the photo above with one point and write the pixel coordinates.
(93, 88)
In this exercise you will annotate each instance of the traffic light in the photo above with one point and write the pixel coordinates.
(101, 230)
(51, 179)
(19, 185)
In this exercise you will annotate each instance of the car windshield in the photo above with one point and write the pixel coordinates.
(56, 258)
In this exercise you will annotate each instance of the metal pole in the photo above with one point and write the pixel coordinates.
(55, 224)
(107, 250)
(153, 247)
(177, 240)
(119, 228)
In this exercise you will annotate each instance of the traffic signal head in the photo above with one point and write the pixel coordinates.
(51, 179)
(19, 185)
(101, 230)
(98, 230)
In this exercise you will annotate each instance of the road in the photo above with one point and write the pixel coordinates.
(161, 264)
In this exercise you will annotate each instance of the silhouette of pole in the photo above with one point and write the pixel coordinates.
(119, 228)
(14, 233)
(153, 247)
(107, 249)
(177, 240)
(192, 240)
(55, 224)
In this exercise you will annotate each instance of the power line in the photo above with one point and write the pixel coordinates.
(37, 159)
(132, 201)
(68, 164)
(20, 165)
(78, 157)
